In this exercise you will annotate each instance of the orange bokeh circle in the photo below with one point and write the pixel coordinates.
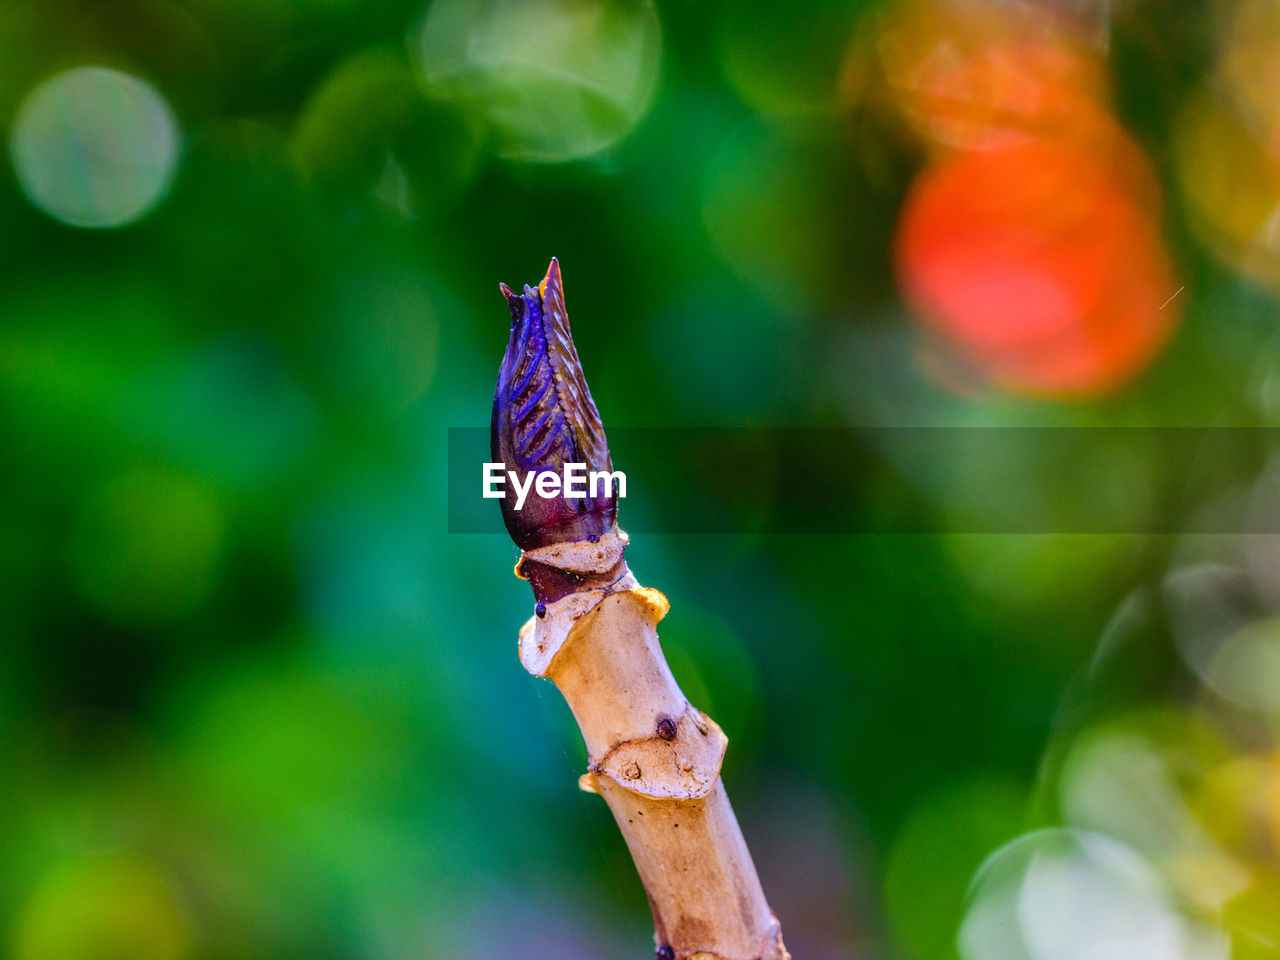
(1039, 265)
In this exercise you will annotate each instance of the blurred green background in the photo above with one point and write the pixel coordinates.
(255, 701)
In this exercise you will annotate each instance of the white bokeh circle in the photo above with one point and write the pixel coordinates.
(95, 147)
(1063, 894)
(556, 80)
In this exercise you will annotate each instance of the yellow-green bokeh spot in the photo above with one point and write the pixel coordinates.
(108, 907)
(147, 546)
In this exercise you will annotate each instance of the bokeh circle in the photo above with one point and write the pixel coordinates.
(556, 80)
(95, 147)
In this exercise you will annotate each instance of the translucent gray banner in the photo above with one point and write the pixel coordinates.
(920, 480)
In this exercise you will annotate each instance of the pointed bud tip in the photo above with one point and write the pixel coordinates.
(552, 279)
(513, 299)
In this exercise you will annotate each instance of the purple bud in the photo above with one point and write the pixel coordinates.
(544, 417)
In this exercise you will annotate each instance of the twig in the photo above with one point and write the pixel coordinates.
(653, 757)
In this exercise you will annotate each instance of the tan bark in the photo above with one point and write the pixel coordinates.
(652, 756)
